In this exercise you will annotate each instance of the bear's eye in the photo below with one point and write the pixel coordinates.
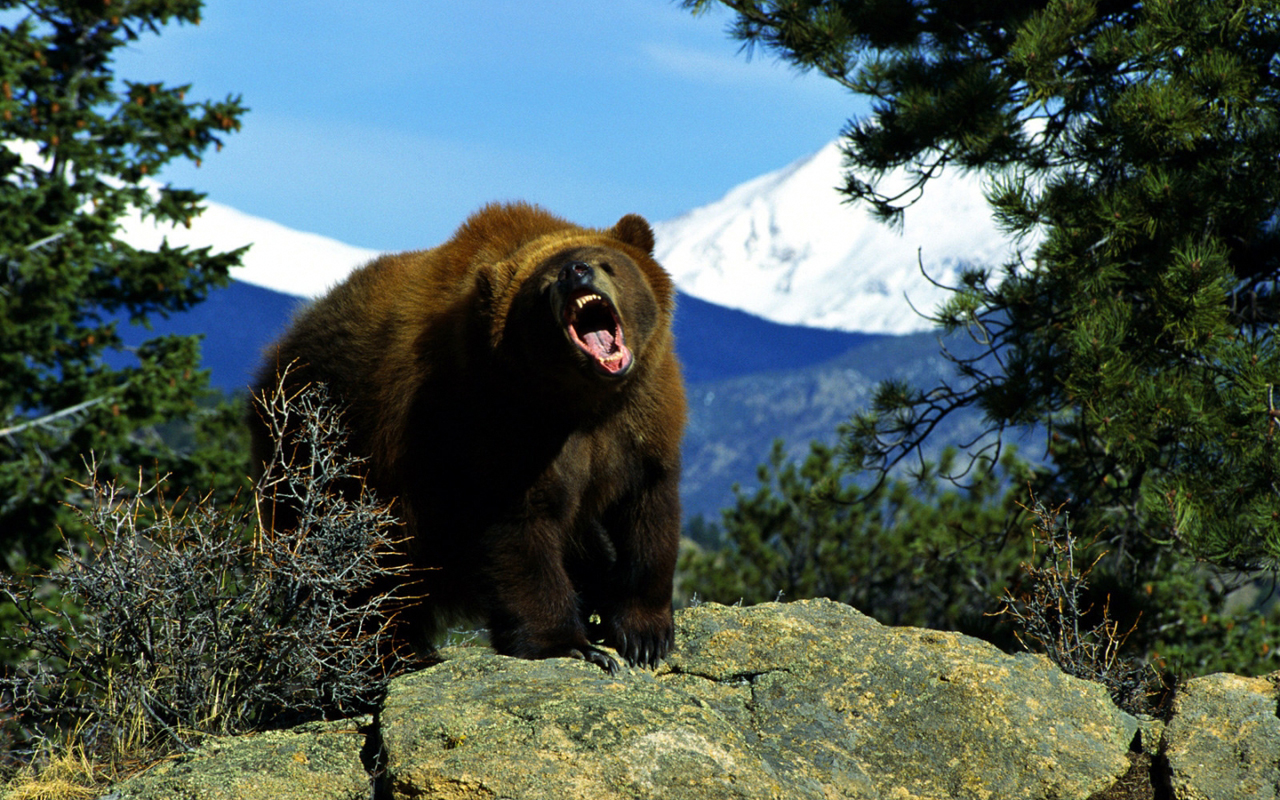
(606, 266)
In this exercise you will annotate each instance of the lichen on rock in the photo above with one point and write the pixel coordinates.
(315, 761)
(1223, 742)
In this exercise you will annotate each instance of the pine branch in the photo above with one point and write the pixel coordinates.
(41, 422)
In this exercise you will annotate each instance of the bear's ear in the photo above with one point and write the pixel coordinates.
(635, 231)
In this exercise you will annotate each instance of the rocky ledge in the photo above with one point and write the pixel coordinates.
(801, 700)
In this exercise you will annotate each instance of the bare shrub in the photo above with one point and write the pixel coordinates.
(1050, 614)
(183, 619)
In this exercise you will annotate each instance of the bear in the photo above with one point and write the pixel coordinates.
(516, 396)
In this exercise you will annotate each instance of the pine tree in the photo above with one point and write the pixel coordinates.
(1135, 149)
(80, 150)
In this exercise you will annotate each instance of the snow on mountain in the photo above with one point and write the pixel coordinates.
(785, 247)
(281, 258)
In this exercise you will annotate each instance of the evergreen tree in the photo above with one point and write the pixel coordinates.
(922, 553)
(80, 151)
(1135, 149)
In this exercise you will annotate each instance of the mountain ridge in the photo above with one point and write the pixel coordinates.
(714, 343)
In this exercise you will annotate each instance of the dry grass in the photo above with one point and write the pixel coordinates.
(64, 770)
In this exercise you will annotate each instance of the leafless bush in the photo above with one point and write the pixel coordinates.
(1050, 616)
(183, 619)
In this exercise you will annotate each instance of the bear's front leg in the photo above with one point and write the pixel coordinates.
(534, 608)
(635, 601)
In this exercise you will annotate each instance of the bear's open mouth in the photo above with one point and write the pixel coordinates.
(594, 327)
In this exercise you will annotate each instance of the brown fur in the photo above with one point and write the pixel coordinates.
(534, 486)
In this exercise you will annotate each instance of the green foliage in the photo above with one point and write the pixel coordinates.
(79, 150)
(919, 553)
(1135, 148)
(1197, 621)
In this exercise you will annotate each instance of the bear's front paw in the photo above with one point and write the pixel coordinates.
(525, 641)
(594, 655)
(643, 638)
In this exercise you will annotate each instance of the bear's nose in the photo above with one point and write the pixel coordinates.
(576, 273)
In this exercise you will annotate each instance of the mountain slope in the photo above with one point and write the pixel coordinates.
(716, 343)
(280, 259)
(733, 422)
(237, 322)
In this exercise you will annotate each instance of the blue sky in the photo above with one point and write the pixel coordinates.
(383, 123)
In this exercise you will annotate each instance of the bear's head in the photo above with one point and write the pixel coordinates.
(581, 302)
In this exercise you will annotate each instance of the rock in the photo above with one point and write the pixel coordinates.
(315, 761)
(848, 707)
(482, 725)
(808, 699)
(1223, 741)
(803, 700)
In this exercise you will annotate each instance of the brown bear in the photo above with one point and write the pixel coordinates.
(516, 394)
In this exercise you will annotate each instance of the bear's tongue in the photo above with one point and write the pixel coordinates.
(606, 347)
(600, 343)
(599, 335)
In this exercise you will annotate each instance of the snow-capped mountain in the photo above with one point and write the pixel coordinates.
(785, 247)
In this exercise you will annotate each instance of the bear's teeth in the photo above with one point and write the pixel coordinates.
(587, 298)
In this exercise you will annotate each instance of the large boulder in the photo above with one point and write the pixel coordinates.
(808, 699)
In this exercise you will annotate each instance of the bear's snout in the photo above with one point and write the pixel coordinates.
(577, 274)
